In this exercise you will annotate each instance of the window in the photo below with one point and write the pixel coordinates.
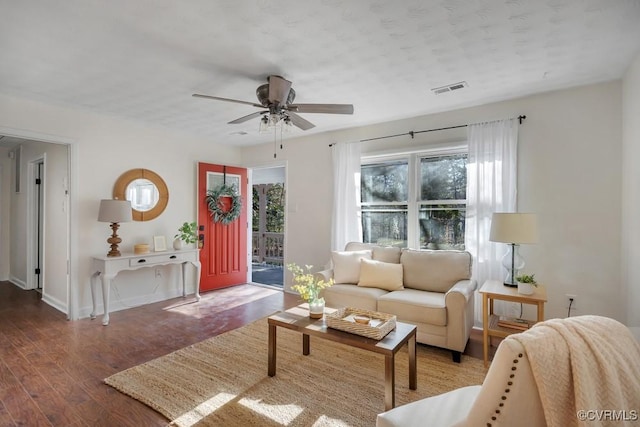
(384, 193)
(442, 203)
(415, 201)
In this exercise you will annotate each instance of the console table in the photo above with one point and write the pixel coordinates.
(106, 268)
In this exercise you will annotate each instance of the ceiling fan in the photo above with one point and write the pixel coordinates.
(277, 97)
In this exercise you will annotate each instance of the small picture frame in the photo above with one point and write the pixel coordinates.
(159, 243)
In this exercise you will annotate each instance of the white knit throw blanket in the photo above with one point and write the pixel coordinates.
(588, 363)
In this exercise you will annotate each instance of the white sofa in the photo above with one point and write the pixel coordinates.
(430, 289)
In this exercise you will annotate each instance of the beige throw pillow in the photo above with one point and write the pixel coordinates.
(378, 253)
(435, 271)
(346, 265)
(382, 275)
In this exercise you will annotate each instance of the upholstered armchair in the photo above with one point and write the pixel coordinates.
(558, 373)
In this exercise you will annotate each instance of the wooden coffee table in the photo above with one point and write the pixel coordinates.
(297, 319)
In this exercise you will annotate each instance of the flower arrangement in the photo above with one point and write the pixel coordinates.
(306, 283)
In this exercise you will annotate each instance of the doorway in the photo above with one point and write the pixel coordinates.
(37, 227)
(268, 226)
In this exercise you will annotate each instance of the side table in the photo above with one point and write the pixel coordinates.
(495, 290)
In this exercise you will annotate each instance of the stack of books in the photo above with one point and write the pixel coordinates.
(514, 323)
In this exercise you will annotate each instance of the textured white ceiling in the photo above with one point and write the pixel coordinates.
(142, 59)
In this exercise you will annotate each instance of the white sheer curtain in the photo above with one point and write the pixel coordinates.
(346, 225)
(491, 187)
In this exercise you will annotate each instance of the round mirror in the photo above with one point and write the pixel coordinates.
(146, 191)
(143, 194)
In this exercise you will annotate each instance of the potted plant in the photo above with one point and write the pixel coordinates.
(309, 287)
(526, 283)
(187, 233)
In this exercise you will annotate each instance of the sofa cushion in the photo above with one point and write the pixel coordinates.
(379, 253)
(435, 271)
(346, 265)
(415, 306)
(340, 295)
(378, 274)
(444, 409)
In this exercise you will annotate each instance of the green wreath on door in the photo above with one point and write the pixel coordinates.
(217, 208)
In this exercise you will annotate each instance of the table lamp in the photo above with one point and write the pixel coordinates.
(115, 212)
(514, 229)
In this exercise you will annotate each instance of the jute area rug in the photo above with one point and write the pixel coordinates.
(223, 381)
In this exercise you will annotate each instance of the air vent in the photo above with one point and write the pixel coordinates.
(449, 88)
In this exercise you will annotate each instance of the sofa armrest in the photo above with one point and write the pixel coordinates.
(459, 301)
(464, 287)
(323, 274)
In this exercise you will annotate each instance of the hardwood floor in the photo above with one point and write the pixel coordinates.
(52, 370)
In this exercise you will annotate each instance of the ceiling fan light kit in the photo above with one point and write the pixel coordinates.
(275, 121)
(277, 97)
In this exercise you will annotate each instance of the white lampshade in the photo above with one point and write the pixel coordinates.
(114, 211)
(514, 228)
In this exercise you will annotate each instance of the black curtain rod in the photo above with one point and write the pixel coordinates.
(413, 133)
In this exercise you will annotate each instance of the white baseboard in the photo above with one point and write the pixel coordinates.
(19, 283)
(117, 305)
(55, 303)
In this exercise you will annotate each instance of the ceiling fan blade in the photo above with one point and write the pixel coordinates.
(279, 89)
(321, 108)
(300, 122)
(247, 117)
(217, 98)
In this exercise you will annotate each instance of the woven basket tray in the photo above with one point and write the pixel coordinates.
(379, 326)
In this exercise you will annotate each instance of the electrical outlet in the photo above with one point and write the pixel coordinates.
(573, 304)
(158, 272)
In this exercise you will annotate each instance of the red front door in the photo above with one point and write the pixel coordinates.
(223, 254)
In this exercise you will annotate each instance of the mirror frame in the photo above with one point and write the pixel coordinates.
(120, 190)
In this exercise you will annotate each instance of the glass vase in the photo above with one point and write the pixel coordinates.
(316, 308)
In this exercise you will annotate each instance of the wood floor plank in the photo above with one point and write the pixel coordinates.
(5, 417)
(22, 408)
(42, 393)
(7, 379)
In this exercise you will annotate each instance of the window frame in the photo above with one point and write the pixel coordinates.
(414, 201)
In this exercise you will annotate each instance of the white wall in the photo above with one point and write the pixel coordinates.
(5, 183)
(102, 149)
(630, 188)
(569, 173)
(18, 223)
